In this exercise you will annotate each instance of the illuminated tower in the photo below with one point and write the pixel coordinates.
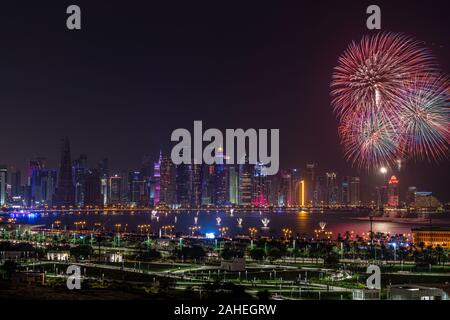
(183, 180)
(245, 184)
(157, 180)
(167, 181)
(345, 191)
(196, 187)
(259, 183)
(220, 179)
(115, 189)
(65, 191)
(332, 189)
(233, 185)
(310, 181)
(355, 193)
(393, 192)
(3, 184)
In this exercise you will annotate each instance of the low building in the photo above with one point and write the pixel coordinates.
(414, 292)
(58, 255)
(366, 294)
(235, 264)
(425, 201)
(432, 236)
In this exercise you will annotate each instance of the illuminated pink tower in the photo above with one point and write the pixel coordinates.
(157, 179)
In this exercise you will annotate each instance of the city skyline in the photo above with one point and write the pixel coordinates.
(159, 181)
(124, 105)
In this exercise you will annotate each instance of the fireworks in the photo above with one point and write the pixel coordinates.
(425, 117)
(389, 101)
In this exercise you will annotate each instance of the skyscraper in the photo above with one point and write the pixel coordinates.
(285, 189)
(345, 191)
(233, 184)
(16, 183)
(393, 200)
(259, 186)
(167, 181)
(93, 195)
(79, 174)
(311, 192)
(184, 184)
(115, 189)
(355, 191)
(65, 191)
(103, 169)
(245, 184)
(3, 184)
(196, 185)
(296, 179)
(220, 179)
(332, 188)
(207, 184)
(157, 180)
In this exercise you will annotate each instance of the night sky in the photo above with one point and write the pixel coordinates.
(140, 69)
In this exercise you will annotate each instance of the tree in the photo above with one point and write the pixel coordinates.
(81, 252)
(8, 268)
(274, 254)
(257, 254)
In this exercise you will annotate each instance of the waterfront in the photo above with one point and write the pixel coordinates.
(301, 223)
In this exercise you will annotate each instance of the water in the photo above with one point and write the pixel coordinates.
(301, 223)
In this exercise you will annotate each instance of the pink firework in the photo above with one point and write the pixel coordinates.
(372, 73)
(390, 101)
(369, 139)
(425, 117)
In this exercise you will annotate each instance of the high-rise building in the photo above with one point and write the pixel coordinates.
(157, 180)
(220, 179)
(245, 184)
(103, 169)
(345, 191)
(184, 183)
(16, 183)
(332, 188)
(65, 192)
(137, 188)
(167, 181)
(207, 184)
(233, 184)
(196, 185)
(38, 163)
(393, 200)
(285, 189)
(115, 189)
(93, 196)
(355, 191)
(310, 180)
(80, 169)
(296, 187)
(259, 186)
(42, 187)
(3, 185)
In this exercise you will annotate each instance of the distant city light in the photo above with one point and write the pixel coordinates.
(210, 235)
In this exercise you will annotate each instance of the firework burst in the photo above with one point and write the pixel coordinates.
(369, 139)
(376, 70)
(425, 118)
(390, 102)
